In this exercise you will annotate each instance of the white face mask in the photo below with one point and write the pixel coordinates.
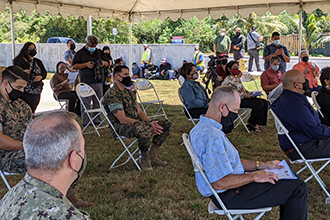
(196, 51)
(275, 68)
(222, 34)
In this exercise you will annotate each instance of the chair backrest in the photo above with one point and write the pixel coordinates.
(185, 108)
(107, 118)
(143, 84)
(181, 80)
(84, 90)
(198, 167)
(51, 86)
(318, 107)
(247, 77)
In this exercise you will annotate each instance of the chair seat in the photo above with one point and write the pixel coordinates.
(63, 100)
(309, 160)
(153, 102)
(212, 208)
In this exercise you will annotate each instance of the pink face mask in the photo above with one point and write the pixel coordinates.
(235, 72)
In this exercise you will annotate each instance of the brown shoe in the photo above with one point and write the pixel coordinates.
(145, 161)
(153, 157)
(76, 202)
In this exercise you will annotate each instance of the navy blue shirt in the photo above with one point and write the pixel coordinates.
(271, 49)
(300, 118)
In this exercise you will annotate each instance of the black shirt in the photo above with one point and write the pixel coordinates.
(165, 67)
(238, 41)
(86, 74)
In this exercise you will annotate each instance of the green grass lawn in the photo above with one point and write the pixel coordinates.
(170, 192)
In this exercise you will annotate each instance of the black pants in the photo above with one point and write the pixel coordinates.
(313, 149)
(74, 102)
(32, 100)
(290, 195)
(259, 110)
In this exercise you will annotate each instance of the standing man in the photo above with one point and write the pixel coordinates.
(253, 39)
(130, 121)
(241, 184)
(146, 58)
(276, 49)
(238, 44)
(198, 60)
(310, 70)
(69, 54)
(41, 194)
(221, 43)
(90, 62)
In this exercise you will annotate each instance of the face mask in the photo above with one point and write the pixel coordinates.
(62, 69)
(72, 46)
(33, 52)
(238, 33)
(229, 119)
(275, 68)
(235, 72)
(91, 49)
(195, 76)
(14, 94)
(222, 34)
(305, 59)
(196, 51)
(277, 42)
(126, 81)
(305, 85)
(81, 170)
(224, 62)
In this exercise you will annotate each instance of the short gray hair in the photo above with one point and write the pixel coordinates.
(273, 58)
(49, 139)
(91, 40)
(224, 94)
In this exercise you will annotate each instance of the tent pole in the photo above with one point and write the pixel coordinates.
(89, 26)
(300, 32)
(12, 30)
(130, 42)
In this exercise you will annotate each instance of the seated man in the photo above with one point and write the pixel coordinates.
(300, 118)
(152, 70)
(15, 115)
(135, 71)
(310, 70)
(129, 121)
(164, 70)
(41, 194)
(226, 170)
(271, 77)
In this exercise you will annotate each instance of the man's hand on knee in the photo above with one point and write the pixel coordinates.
(157, 129)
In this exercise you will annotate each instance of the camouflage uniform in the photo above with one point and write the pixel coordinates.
(115, 99)
(34, 199)
(14, 119)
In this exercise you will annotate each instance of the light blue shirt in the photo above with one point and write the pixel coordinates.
(217, 155)
(250, 43)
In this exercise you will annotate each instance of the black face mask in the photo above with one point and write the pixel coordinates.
(224, 62)
(238, 33)
(305, 85)
(33, 52)
(72, 46)
(229, 119)
(81, 170)
(305, 59)
(126, 81)
(14, 94)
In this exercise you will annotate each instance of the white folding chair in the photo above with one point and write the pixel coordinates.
(120, 138)
(193, 120)
(181, 80)
(63, 102)
(318, 107)
(247, 77)
(237, 213)
(241, 117)
(281, 130)
(83, 91)
(3, 174)
(143, 85)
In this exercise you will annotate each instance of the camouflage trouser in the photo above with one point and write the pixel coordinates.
(143, 131)
(13, 162)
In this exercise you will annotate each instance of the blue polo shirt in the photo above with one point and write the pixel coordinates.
(271, 49)
(217, 155)
(300, 118)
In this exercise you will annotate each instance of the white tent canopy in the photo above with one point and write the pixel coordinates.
(174, 9)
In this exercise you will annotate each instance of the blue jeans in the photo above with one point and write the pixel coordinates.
(165, 77)
(200, 68)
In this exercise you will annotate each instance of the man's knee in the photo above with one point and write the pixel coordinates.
(14, 162)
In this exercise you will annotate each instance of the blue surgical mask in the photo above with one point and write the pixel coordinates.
(277, 42)
(91, 49)
(275, 68)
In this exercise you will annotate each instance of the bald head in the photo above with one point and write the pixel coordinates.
(293, 80)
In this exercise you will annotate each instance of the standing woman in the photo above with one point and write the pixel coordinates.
(35, 68)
